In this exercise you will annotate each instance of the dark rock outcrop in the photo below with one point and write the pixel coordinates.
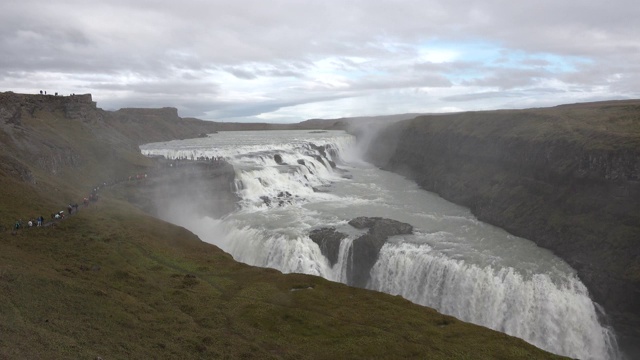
(278, 159)
(567, 178)
(365, 249)
(323, 150)
(328, 239)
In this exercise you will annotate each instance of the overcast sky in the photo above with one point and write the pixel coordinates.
(287, 61)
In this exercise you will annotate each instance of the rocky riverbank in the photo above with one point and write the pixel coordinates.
(567, 178)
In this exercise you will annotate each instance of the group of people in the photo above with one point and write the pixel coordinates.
(40, 221)
(72, 208)
(45, 93)
(56, 94)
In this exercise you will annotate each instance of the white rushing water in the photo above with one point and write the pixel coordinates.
(453, 262)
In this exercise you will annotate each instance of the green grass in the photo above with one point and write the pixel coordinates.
(606, 126)
(114, 282)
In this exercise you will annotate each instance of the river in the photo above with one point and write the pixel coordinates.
(452, 262)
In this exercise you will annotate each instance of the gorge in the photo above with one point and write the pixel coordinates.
(300, 194)
(565, 178)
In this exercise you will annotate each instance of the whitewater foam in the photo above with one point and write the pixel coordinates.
(453, 262)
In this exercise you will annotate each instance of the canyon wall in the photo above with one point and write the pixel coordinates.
(567, 178)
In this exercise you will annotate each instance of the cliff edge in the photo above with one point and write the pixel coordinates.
(567, 178)
(111, 281)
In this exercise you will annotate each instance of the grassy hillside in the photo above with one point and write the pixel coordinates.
(116, 283)
(113, 282)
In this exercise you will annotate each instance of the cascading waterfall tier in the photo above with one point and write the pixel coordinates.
(291, 182)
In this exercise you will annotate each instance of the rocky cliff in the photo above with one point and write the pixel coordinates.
(154, 290)
(567, 178)
(364, 250)
(51, 146)
(47, 135)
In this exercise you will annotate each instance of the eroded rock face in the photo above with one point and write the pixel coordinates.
(571, 186)
(323, 154)
(364, 250)
(278, 159)
(381, 226)
(328, 239)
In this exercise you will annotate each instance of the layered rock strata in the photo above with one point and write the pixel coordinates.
(364, 249)
(567, 178)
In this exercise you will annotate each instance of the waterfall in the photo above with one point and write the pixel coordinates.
(558, 317)
(288, 186)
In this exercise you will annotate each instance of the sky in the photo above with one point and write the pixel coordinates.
(287, 61)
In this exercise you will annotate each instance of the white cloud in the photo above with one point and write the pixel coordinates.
(292, 60)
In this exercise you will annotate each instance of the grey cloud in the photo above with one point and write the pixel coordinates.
(509, 78)
(241, 73)
(501, 94)
(152, 51)
(536, 62)
(430, 80)
(283, 73)
(478, 96)
(227, 110)
(164, 87)
(253, 72)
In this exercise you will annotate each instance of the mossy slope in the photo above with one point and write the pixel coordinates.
(114, 282)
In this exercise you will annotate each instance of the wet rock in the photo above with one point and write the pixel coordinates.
(320, 149)
(318, 158)
(266, 200)
(365, 249)
(278, 159)
(328, 239)
(381, 225)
